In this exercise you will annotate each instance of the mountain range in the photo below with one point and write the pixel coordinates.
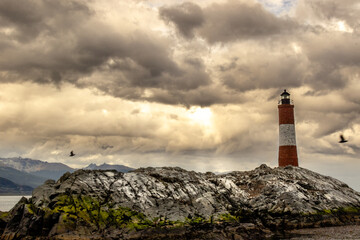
(36, 167)
(19, 177)
(104, 166)
(8, 187)
(33, 173)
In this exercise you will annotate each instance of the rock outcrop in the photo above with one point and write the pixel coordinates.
(169, 203)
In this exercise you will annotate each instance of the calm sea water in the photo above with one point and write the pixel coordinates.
(8, 202)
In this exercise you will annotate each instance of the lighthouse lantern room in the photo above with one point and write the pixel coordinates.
(285, 97)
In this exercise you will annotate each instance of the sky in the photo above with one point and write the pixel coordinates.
(193, 84)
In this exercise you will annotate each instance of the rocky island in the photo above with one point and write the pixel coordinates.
(172, 203)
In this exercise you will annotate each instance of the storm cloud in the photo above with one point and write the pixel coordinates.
(225, 22)
(61, 48)
(186, 16)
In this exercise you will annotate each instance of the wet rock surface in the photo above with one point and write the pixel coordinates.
(169, 203)
(327, 233)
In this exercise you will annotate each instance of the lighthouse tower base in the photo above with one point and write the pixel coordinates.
(288, 156)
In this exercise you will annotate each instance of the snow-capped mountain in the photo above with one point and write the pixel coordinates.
(36, 167)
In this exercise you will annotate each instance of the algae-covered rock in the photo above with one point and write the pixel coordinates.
(170, 200)
(4, 218)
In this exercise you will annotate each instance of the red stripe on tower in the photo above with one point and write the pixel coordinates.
(287, 137)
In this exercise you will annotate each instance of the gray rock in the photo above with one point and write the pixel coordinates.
(264, 197)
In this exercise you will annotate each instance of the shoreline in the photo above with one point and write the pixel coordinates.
(326, 233)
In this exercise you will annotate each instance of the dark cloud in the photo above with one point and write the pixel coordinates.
(186, 17)
(67, 41)
(334, 60)
(228, 66)
(226, 22)
(29, 19)
(106, 146)
(333, 49)
(328, 59)
(57, 42)
(265, 70)
(236, 20)
(337, 123)
(150, 67)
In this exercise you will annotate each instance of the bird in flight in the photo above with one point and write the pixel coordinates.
(342, 139)
(72, 154)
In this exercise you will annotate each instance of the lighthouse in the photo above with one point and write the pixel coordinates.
(287, 138)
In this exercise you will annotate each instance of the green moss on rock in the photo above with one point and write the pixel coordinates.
(30, 208)
(4, 215)
(89, 210)
(228, 218)
(77, 210)
(337, 211)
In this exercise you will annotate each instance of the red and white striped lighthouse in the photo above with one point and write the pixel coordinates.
(287, 138)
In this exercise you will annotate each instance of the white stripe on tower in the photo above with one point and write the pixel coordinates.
(287, 135)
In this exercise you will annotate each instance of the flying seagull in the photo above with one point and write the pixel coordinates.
(72, 154)
(342, 139)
